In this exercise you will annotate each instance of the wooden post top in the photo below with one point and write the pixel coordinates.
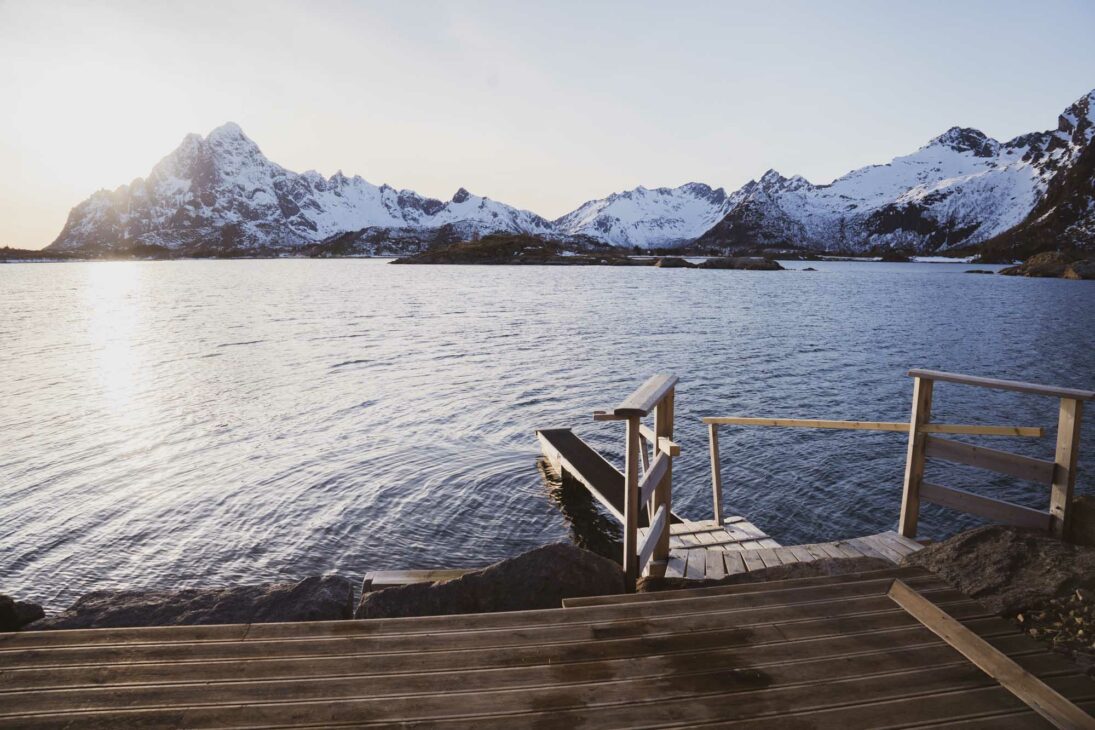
(1014, 385)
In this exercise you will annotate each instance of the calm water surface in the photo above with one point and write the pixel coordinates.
(172, 424)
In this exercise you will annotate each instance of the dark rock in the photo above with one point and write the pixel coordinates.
(749, 263)
(1051, 264)
(1080, 270)
(808, 268)
(541, 578)
(829, 566)
(1009, 569)
(897, 257)
(323, 598)
(14, 615)
(1082, 530)
(977, 271)
(673, 262)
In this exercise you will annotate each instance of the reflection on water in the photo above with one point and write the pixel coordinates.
(190, 423)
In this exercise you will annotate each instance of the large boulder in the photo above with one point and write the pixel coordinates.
(812, 569)
(1084, 269)
(1008, 569)
(323, 598)
(673, 262)
(541, 578)
(14, 615)
(749, 263)
(1050, 264)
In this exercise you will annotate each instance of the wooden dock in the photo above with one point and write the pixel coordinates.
(709, 551)
(861, 651)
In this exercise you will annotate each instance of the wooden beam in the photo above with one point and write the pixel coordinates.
(977, 430)
(1004, 462)
(1070, 414)
(663, 493)
(914, 460)
(993, 509)
(1013, 385)
(663, 443)
(652, 478)
(1039, 696)
(894, 426)
(716, 470)
(657, 527)
(631, 502)
(646, 396)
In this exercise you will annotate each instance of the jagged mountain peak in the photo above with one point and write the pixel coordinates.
(461, 195)
(966, 139)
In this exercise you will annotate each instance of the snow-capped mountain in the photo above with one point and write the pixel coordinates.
(222, 193)
(649, 218)
(961, 188)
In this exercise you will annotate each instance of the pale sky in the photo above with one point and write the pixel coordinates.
(542, 106)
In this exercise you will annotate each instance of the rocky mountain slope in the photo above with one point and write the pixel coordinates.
(221, 193)
(962, 190)
(649, 218)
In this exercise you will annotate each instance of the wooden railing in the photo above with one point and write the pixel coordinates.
(925, 442)
(655, 488)
(1059, 474)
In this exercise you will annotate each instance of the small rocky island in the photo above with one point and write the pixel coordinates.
(511, 250)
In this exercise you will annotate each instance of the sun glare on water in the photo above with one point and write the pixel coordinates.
(114, 311)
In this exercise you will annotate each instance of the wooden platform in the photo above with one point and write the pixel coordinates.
(709, 551)
(821, 652)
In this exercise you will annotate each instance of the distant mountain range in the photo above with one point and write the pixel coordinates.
(963, 190)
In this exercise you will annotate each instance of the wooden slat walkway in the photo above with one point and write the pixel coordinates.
(824, 652)
(709, 551)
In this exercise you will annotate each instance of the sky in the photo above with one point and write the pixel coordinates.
(539, 105)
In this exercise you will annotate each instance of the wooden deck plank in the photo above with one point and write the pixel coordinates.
(751, 694)
(603, 641)
(716, 565)
(839, 598)
(734, 563)
(781, 662)
(697, 565)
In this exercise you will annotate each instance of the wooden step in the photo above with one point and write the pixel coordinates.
(805, 653)
(379, 579)
(737, 588)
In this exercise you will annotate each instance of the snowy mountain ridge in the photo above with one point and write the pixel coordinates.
(220, 193)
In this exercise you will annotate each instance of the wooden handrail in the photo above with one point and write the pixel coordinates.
(894, 426)
(646, 396)
(1014, 385)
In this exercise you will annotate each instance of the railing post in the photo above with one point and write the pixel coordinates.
(914, 462)
(716, 471)
(1064, 469)
(631, 503)
(663, 493)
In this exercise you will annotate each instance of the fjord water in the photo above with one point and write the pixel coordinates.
(201, 423)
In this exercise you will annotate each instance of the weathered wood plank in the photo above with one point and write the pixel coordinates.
(716, 565)
(993, 509)
(654, 534)
(1024, 685)
(914, 460)
(894, 426)
(1013, 385)
(646, 396)
(697, 564)
(1070, 415)
(982, 457)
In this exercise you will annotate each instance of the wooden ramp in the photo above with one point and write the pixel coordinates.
(710, 551)
(823, 652)
(570, 455)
